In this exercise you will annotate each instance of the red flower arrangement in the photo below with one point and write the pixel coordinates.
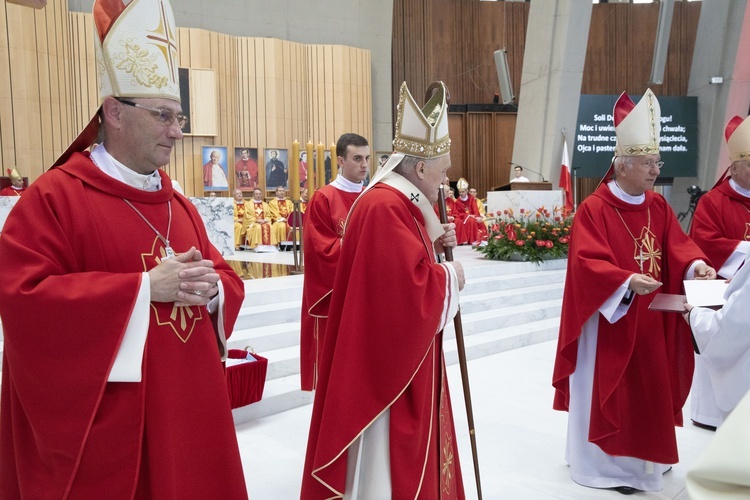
(535, 235)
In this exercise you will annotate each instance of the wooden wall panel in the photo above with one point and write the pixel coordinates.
(456, 129)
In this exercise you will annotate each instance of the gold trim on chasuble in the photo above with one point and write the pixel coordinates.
(747, 231)
(447, 452)
(182, 320)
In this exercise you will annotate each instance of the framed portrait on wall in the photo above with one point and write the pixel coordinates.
(380, 158)
(246, 168)
(328, 166)
(215, 168)
(276, 162)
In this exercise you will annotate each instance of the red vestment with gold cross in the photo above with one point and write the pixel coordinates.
(644, 361)
(78, 253)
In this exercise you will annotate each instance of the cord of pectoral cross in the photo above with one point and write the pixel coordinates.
(165, 240)
(641, 258)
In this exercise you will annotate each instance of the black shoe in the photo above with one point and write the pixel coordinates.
(704, 426)
(625, 490)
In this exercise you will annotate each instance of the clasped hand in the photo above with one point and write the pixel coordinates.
(186, 280)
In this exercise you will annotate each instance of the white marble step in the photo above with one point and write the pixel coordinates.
(282, 391)
(476, 302)
(494, 282)
(480, 312)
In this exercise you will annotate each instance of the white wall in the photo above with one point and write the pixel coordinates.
(356, 23)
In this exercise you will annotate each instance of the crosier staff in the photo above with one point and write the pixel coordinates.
(462, 356)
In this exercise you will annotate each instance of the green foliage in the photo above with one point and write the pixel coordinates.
(534, 236)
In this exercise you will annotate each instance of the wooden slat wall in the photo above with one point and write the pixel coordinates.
(34, 86)
(454, 41)
(269, 92)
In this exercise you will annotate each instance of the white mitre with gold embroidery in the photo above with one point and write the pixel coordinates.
(737, 133)
(637, 126)
(137, 55)
(462, 184)
(420, 132)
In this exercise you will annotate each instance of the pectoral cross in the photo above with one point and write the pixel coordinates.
(640, 259)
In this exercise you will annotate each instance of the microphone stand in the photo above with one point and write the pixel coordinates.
(461, 348)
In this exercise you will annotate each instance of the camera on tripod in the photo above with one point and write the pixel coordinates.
(695, 193)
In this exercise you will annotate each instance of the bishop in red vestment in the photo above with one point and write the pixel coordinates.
(16, 187)
(382, 423)
(468, 215)
(117, 311)
(323, 228)
(623, 371)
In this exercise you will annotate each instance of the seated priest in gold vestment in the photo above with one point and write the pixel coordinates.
(258, 222)
(280, 207)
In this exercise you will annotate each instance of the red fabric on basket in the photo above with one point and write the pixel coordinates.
(245, 381)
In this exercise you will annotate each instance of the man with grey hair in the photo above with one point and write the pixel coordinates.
(382, 425)
(623, 371)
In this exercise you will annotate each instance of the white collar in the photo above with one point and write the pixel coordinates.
(405, 187)
(343, 184)
(463, 198)
(113, 168)
(627, 198)
(744, 192)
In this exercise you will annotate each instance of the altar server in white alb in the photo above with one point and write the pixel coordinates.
(723, 339)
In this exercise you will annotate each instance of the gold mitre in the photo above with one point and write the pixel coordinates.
(14, 174)
(637, 126)
(737, 133)
(462, 184)
(422, 132)
(136, 51)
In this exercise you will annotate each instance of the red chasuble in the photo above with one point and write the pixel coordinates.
(64, 430)
(721, 220)
(644, 361)
(9, 191)
(466, 213)
(322, 231)
(383, 351)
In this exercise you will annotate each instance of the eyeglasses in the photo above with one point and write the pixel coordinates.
(652, 163)
(164, 115)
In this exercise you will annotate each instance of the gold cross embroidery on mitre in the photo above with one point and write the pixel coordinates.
(647, 251)
(166, 41)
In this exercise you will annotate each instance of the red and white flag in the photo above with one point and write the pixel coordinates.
(565, 178)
